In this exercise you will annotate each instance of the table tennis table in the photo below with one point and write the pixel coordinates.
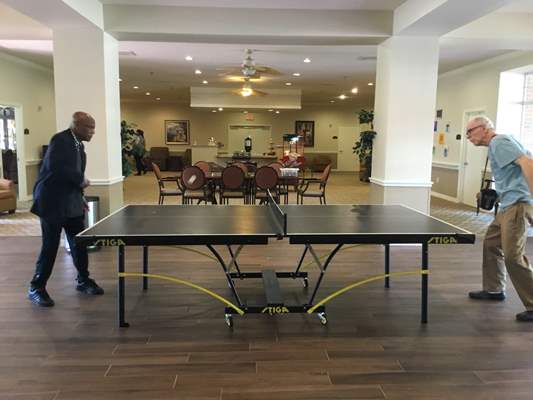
(236, 226)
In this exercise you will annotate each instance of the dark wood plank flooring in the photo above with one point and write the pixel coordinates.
(179, 347)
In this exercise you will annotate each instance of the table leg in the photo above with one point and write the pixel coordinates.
(121, 289)
(145, 267)
(387, 265)
(424, 283)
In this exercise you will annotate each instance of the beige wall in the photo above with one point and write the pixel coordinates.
(31, 88)
(203, 123)
(444, 181)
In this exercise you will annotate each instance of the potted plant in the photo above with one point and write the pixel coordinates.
(363, 147)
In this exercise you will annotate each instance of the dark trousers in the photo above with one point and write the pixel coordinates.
(139, 164)
(51, 235)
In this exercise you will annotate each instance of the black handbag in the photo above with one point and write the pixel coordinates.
(488, 198)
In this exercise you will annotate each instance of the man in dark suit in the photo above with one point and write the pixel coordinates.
(59, 202)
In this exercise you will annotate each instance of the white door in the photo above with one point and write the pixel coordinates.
(346, 159)
(472, 163)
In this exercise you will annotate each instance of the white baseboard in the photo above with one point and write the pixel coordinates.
(445, 197)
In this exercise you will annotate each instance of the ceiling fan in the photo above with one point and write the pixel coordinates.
(248, 69)
(246, 90)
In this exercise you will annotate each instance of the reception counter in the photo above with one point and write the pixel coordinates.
(259, 159)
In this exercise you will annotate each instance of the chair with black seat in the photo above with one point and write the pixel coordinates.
(308, 187)
(195, 186)
(266, 179)
(283, 187)
(166, 191)
(233, 185)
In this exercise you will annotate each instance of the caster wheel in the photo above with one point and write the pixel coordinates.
(306, 283)
(322, 318)
(229, 320)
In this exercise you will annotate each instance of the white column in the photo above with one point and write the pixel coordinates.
(86, 73)
(406, 91)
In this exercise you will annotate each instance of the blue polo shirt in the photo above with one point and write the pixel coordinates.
(511, 184)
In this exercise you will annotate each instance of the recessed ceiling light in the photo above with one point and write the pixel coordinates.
(296, 74)
(342, 96)
(355, 90)
(307, 60)
(332, 101)
(120, 79)
(277, 111)
(136, 87)
(288, 83)
(158, 98)
(197, 72)
(220, 109)
(270, 110)
(370, 83)
(148, 93)
(205, 82)
(245, 112)
(213, 110)
(188, 58)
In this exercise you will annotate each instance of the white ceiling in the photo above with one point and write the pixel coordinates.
(161, 68)
(273, 4)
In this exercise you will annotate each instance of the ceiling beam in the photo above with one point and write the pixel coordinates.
(61, 14)
(438, 17)
(265, 26)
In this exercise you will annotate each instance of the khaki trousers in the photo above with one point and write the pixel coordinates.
(504, 248)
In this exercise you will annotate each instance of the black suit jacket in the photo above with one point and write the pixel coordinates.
(59, 177)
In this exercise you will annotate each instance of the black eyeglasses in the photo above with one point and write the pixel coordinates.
(469, 131)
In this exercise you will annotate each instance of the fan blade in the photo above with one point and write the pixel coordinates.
(268, 70)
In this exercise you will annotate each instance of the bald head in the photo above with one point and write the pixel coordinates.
(83, 125)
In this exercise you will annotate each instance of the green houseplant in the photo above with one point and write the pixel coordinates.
(127, 141)
(363, 147)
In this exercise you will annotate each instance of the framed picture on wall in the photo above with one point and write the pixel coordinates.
(177, 132)
(306, 129)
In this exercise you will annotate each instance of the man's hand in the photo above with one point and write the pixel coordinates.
(85, 183)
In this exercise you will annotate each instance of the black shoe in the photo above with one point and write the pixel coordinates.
(40, 297)
(484, 295)
(88, 286)
(525, 316)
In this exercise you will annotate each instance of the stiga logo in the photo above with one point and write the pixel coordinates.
(275, 310)
(442, 240)
(109, 242)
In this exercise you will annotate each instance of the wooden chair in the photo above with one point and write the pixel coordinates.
(196, 186)
(266, 178)
(308, 187)
(283, 187)
(204, 166)
(233, 184)
(163, 191)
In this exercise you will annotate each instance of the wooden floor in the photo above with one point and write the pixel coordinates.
(178, 346)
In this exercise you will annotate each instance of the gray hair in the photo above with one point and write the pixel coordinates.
(485, 121)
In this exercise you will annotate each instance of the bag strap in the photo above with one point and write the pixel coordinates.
(484, 173)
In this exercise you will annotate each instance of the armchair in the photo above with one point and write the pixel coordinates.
(8, 196)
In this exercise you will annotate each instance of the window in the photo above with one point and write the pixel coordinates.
(526, 130)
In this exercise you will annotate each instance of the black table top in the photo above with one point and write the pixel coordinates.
(230, 224)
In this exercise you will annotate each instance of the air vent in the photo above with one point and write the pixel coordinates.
(127, 53)
(367, 58)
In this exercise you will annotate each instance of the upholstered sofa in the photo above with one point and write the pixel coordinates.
(8, 197)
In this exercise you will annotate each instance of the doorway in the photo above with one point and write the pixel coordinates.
(472, 164)
(346, 160)
(12, 148)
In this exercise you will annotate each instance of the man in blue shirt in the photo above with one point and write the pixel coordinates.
(505, 241)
